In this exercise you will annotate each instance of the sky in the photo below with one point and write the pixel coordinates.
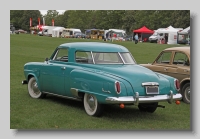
(43, 12)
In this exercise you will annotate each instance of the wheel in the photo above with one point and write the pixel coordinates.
(186, 93)
(91, 105)
(33, 90)
(148, 107)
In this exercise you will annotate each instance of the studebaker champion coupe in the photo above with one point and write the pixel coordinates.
(175, 62)
(97, 74)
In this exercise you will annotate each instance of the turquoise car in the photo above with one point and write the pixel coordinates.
(98, 74)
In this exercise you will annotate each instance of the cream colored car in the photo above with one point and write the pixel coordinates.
(175, 62)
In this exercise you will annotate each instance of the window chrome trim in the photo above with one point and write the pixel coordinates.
(55, 54)
(92, 57)
(131, 57)
(121, 57)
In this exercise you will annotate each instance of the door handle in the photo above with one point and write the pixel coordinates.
(63, 68)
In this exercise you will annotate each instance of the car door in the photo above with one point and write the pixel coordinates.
(180, 66)
(53, 73)
(162, 63)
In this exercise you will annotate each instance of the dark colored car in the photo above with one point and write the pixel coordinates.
(79, 35)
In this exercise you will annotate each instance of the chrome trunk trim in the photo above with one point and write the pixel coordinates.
(150, 84)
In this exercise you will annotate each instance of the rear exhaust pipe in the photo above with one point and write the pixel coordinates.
(24, 82)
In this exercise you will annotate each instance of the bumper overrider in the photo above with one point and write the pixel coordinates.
(136, 99)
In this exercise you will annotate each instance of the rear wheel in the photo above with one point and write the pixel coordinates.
(148, 107)
(91, 105)
(33, 90)
(186, 93)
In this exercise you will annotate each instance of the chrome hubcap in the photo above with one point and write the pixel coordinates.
(35, 88)
(91, 102)
(188, 92)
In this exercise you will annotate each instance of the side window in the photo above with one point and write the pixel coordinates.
(164, 58)
(84, 57)
(61, 55)
(181, 59)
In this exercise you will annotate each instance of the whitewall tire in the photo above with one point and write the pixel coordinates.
(33, 90)
(91, 105)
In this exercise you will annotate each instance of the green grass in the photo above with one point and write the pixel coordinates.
(59, 113)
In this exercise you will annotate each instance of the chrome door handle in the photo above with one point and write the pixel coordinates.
(63, 68)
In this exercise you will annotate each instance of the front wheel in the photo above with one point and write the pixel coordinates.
(148, 107)
(91, 105)
(186, 93)
(33, 90)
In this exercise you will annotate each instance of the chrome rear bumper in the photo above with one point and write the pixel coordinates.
(136, 99)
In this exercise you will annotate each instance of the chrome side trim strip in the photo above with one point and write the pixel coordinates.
(63, 96)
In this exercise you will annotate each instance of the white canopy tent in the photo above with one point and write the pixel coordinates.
(56, 31)
(184, 36)
(185, 31)
(172, 34)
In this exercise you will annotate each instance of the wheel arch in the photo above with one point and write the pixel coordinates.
(183, 82)
(33, 75)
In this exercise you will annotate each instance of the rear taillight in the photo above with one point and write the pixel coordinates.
(117, 87)
(177, 84)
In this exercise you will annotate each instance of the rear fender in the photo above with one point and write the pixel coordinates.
(95, 83)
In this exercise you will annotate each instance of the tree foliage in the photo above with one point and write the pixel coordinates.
(128, 20)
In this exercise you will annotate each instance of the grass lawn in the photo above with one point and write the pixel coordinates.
(59, 113)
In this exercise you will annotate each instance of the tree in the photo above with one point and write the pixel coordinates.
(79, 19)
(25, 20)
(51, 14)
(15, 18)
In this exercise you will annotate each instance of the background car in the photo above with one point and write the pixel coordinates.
(79, 35)
(40, 33)
(175, 62)
(22, 31)
(98, 74)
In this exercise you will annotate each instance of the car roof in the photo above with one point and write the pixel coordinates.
(185, 49)
(94, 46)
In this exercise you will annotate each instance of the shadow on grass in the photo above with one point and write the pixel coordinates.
(111, 112)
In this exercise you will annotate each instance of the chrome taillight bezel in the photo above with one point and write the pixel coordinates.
(177, 84)
(117, 87)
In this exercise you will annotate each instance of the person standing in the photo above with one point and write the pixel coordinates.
(166, 38)
(136, 38)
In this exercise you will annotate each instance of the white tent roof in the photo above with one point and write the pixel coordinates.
(167, 30)
(185, 31)
(59, 28)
